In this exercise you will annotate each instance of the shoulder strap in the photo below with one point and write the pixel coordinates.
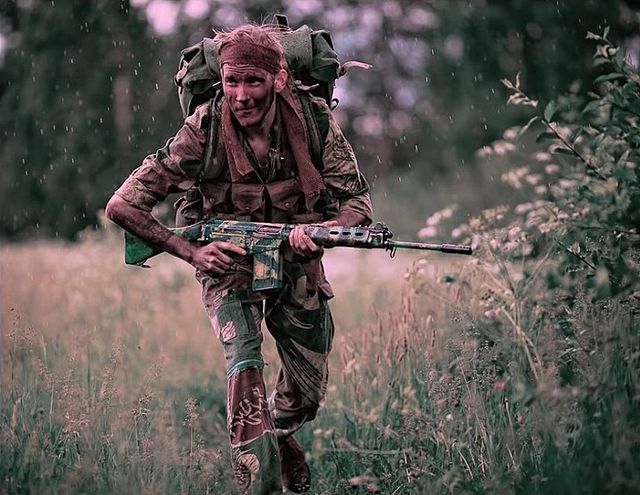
(189, 208)
(213, 165)
(318, 125)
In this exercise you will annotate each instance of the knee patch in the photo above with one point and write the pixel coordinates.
(237, 324)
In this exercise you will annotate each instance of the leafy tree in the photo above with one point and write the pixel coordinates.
(551, 295)
(86, 89)
(593, 211)
(437, 66)
(70, 120)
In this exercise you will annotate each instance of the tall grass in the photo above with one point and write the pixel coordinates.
(113, 382)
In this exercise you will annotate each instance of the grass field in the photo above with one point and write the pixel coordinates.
(112, 381)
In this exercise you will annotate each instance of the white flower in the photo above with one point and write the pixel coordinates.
(514, 233)
(567, 183)
(511, 133)
(542, 156)
(523, 208)
(447, 212)
(502, 147)
(540, 189)
(533, 179)
(484, 151)
(426, 232)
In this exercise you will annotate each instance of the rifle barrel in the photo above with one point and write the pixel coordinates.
(443, 248)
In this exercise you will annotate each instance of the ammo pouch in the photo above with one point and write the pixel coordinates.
(189, 208)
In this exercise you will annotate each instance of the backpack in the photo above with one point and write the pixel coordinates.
(312, 61)
(310, 56)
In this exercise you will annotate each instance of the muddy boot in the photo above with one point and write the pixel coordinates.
(295, 472)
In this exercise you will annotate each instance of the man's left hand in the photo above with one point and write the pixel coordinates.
(302, 245)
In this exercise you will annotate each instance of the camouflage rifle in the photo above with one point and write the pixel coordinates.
(264, 242)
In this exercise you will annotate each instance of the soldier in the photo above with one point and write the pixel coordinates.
(267, 175)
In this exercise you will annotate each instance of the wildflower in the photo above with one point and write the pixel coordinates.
(523, 208)
(542, 156)
(503, 147)
(545, 227)
(495, 214)
(426, 232)
(500, 386)
(564, 131)
(143, 409)
(475, 223)
(491, 313)
(533, 179)
(147, 446)
(567, 183)
(510, 133)
(509, 247)
(191, 407)
(437, 217)
(514, 233)
(540, 189)
(514, 177)
(447, 212)
(484, 151)
(368, 482)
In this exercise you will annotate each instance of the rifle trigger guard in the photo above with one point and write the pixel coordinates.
(392, 251)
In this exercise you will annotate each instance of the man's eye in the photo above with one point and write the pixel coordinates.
(254, 81)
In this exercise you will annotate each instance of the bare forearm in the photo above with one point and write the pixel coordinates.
(144, 225)
(351, 218)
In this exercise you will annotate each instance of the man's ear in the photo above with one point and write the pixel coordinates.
(281, 80)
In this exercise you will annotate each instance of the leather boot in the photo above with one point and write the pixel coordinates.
(295, 472)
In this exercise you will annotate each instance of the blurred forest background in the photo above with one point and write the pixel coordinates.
(511, 125)
(86, 91)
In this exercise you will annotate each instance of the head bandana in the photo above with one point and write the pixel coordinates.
(247, 53)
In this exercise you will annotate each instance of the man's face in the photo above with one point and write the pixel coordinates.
(249, 91)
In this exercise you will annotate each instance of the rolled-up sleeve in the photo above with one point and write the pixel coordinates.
(173, 168)
(341, 175)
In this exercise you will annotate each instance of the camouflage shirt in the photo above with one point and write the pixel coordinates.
(174, 168)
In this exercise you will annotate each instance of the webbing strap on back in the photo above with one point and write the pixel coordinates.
(212, 166)
(316, 140)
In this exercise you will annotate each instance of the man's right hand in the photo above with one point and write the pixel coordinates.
(215, 257)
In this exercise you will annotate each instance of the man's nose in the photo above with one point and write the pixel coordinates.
(241, 93)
